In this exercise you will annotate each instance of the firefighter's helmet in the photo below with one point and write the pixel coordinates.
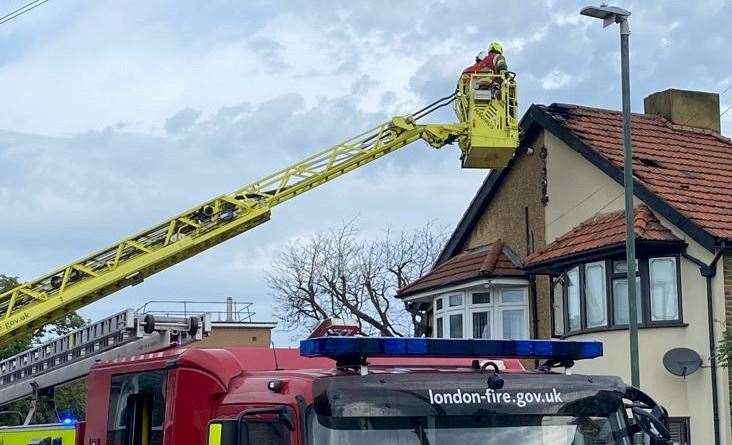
(495, 48)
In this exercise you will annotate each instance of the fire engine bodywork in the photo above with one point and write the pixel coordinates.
(205, 384)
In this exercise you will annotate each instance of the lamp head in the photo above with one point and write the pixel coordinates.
(608, 14)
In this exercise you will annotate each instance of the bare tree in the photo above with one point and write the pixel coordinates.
(338, 274)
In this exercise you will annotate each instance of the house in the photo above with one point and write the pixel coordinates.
(549, 227)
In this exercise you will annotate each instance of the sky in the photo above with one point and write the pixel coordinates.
(119, 114)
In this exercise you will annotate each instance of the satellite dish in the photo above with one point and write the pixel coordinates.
(682, 361)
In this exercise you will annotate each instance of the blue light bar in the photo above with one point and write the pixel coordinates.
(349, 348)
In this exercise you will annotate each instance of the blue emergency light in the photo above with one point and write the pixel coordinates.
(346, 348)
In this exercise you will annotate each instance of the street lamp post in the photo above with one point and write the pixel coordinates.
(610, 15)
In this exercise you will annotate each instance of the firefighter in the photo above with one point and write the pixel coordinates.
(491, 61)
(486, 62)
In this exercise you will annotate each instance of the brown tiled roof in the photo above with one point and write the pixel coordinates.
(492, 260)
(602, 230)
(688, 168)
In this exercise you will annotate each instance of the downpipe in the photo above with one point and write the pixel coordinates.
(708, 271)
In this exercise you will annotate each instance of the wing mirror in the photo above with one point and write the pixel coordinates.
(650, 418)
(652, 425)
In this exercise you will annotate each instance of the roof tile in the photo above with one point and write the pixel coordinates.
(492, 260)
(602, 230)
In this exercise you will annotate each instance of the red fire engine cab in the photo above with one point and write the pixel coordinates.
(365, 391)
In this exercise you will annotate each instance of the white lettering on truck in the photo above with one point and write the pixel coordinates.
(490, 396)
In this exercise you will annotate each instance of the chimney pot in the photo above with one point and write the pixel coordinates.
(683, 107)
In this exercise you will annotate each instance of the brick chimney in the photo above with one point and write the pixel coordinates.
(683, 107)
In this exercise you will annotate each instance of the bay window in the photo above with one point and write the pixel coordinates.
(594, 296)
(502, 313)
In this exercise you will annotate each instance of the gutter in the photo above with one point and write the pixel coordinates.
(708, 271)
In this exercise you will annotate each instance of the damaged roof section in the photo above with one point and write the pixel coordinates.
(488, 261)
(604, 231)
(689, 168)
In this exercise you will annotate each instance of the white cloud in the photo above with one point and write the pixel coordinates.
(556, 79)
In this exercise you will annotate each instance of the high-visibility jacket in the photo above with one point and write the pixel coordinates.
(492, 63)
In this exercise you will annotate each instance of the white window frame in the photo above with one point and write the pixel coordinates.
(502, 307)
(447, 311)
(476, 305)
(494, 309)
(457, 306)
(438, 313)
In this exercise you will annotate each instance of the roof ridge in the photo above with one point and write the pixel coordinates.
(704, 131)
(606, 110)
(491, 257)
(597, 217)
(640, 222)
(658, 117)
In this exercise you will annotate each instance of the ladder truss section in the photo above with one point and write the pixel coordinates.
(70, 356)
(33, 304)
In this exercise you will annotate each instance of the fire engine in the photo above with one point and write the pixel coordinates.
(353, 390)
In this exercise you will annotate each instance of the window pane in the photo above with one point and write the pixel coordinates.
(456, 300)
(664, 301)
(573, 299)
(440, 328)
(438, 304)
(514, 324)
(265, 433)
(622, 266)
(481, 325)
(679, 429)
(456, 326)
(595, 298)
(620, 301)
(482, 298)
(558, 310)
(141, 392)
(509, 296)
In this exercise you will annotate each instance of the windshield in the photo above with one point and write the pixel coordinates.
(471, 430)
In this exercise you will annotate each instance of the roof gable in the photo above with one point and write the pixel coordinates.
(472, 214)
(688, 181)
(689, 169)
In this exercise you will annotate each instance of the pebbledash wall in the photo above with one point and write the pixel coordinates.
(577, 190)
(516, 215)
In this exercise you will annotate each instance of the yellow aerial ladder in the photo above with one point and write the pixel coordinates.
(487, 133)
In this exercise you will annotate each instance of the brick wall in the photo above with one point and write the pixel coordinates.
(225, 337)
(506, 218)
